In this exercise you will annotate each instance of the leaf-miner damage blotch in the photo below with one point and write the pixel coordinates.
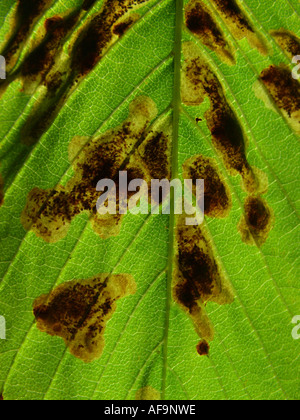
(78, 311)
(59, 72)
(228, 138)
(201, 22)
(142, 151)
(239, 24)
(198, 277)
(288, 41)
(217, 196)
(256, 222)
(284, 93)
(98, 35)
(26, 15)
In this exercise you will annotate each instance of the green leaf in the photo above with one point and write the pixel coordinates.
(83, 89)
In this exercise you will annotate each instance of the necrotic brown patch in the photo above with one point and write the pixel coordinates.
(201, 22)
(284, 90)
(98, 35)
(86, 49)
(49, 213)
(203, 348)
(239, 23)
(27, 14)
(78, 311)
(121, 28)
(88, 4)
(257, 221)
(217, 197)
(197, 277)
(42, 59)
(147, 393)
(287, 41)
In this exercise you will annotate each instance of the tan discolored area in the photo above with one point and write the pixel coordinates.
(198, 278)
(37, 66)
(199, 82)
(78, 311)
(284, 93)
(154, 153)
(99, 34)
(288, 41)
(49, 213)
(217, 196)
(203, 348)
(201, 22)
(256, 222)
(60, 71)
(147, 393)
(239, 24)
(122, 27)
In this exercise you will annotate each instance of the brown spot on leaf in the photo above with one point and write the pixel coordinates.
(217, 197)
(197, 277)
(88, 4)
(36, 66)
(26, 15)
(239, 24)
(203, 348)
(120, 28)
(85, 51)
(200, 21)
(78, 311)
(284, 92)
(154, 153)
(257, 221)
(98, 35)
(49, 213)
(198, 82)
(287, 41)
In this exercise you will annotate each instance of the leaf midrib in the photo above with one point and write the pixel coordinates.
(176, 116)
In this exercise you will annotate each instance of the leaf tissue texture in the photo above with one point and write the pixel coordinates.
(140, 305)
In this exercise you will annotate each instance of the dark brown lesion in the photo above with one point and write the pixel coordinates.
(256, 222)
(59, 73)
(198, 82)
(38, 63)
(198, 278)
(288, 41)
(217, 196)
(201, 22)
(98, 35)
(203, 348)
(78, 311)
(26, 15)
(228, 138)
(284, 89)
(278, 89)
(239, 24)
(133, 146)
(122, 27)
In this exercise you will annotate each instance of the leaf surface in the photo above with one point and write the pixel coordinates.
(149, 340)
